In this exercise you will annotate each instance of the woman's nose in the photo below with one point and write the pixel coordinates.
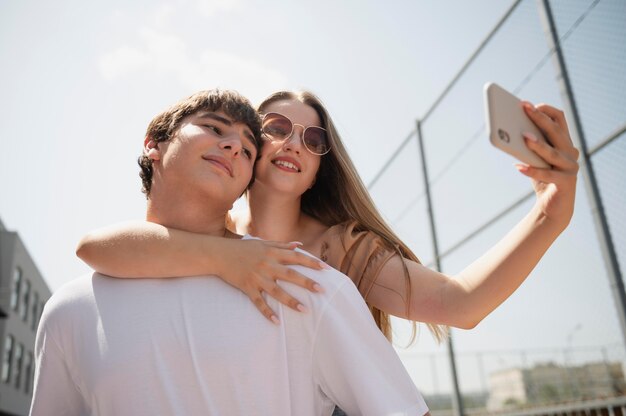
(294, 142)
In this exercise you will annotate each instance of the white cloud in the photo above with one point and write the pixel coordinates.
(168, 56)
(217, 68)
(162, 14)
(212, 7)
(121, 61)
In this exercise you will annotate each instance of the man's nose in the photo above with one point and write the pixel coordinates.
(232, 143)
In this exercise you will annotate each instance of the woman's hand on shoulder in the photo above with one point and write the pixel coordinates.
(255, 266)
(556, 187)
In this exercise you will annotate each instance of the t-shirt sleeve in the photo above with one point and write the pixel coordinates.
(355, 366)
(55, 392)
(360, 255)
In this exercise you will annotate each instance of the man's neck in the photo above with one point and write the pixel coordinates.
(197, 216)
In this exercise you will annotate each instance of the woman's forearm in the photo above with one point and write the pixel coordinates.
(467, 298)
(491, 279)
(145, 249)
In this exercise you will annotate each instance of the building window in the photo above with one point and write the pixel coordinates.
(15, 292)
(19, 357)
(34, 314)
(28, 372)
(6, 359)
(24, 306)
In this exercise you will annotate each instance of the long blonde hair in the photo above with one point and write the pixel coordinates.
(339, 195)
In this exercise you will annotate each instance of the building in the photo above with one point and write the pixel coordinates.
(23, 293)
(552, 383)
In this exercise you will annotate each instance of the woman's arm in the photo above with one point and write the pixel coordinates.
(145, 249)
(465, 299)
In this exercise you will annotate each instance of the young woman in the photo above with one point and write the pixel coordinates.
(306, 189)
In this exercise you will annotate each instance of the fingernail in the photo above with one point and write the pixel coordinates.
(301, 307)
(275, 319)
(318, 288)
(522, 168)
(528, 106)
(530, 136)
(324, 265)
(297, 243)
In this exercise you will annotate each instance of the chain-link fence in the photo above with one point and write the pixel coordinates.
(563, 323)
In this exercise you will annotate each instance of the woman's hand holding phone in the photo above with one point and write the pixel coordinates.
(555, 187)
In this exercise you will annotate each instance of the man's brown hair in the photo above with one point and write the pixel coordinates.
(163, 127)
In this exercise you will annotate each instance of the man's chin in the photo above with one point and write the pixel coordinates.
(225, 195)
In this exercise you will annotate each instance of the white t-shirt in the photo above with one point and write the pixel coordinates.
(197, 346)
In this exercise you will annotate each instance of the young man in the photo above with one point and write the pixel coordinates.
(195, 345)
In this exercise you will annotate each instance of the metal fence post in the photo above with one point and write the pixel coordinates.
(586, 168)
(457, 400)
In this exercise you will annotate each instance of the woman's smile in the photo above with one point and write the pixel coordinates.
(287, 164)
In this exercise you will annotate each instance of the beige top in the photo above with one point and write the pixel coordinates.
(360, 255)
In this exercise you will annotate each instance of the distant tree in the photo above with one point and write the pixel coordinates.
(512, 402)
(547, 393)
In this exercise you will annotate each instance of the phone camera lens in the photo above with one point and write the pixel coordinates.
(504, 136)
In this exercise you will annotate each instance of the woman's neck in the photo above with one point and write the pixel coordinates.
(274, 217)
(277, 217)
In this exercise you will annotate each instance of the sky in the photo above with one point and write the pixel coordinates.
(81, 80)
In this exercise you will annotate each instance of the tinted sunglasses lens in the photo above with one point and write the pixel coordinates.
(276, 126)
(316, 140)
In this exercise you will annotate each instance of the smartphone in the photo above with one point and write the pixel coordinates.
(506, 121)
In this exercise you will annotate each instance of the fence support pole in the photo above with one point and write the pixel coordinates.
(457, 400)
(586, 168)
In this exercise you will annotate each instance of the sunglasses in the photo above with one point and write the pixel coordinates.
(277, 127)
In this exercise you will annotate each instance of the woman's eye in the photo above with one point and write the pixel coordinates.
(248, 153)
(275, 131)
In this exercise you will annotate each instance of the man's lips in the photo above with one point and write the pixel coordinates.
(287, 163)
(220, 162)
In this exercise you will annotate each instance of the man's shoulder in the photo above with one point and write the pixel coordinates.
(71, 296)
(337, 289)
(330, 279)
(75, 286)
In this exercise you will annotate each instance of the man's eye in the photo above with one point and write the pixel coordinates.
(213, 128)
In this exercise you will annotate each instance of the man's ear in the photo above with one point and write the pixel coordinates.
(151, 149)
